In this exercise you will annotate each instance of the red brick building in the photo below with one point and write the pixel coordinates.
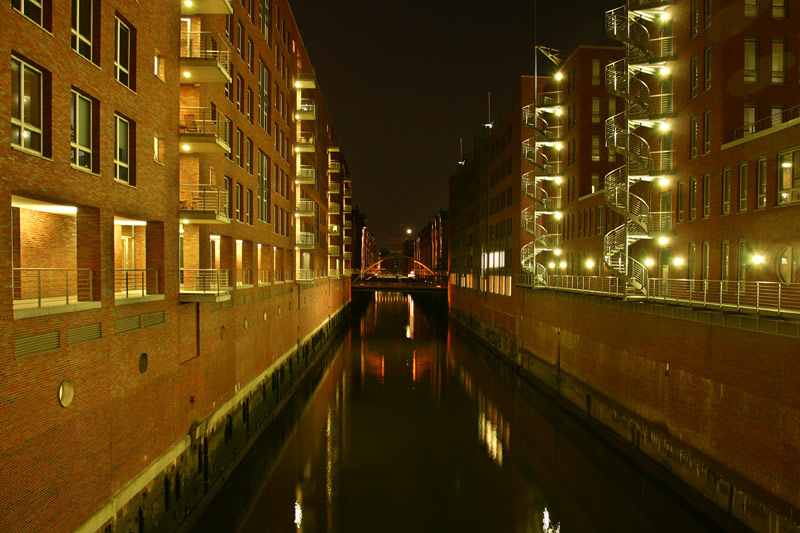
(168, 182)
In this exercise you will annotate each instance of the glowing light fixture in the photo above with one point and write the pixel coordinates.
(665, 16)
(297, 149)
(589, 263)
(678, 261)
(563, 264)
(664, 126)
(187, 74)
(649, 262)
(559, 146)
(559, 111)
(557, 180)
(551, 265)
(185, 147)
(663, 240)
(559, 76)
(665, 71)
(297, 84)
(786, 164)
(558, 215)
(408, 231)
(757, 259)
(297, 117)
(185, 221)
(557, 251)
(663, 182)
(187, 3)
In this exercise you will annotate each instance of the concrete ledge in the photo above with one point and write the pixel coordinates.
(55, 309)
(139, 299)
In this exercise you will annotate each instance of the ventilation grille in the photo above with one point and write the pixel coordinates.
(31, 345)
(130, 323)
(153, 319)
(81, 334)
(239, 300)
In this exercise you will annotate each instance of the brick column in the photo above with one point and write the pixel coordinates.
(89, 252)
(154, 258)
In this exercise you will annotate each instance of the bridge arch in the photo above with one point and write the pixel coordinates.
(375, 267)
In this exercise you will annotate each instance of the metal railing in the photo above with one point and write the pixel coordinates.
(52, 286)
(348, 189)
(333, 164)
(347, 224)
(659, 222)
(347, 239)
(244, 276)
(347, 255)
(264, 277)
(135, 282)
(333, 229)
(204, 197)
(334, 208)
(205, 280)
(304, 238)
(752, 296)
(206, 45)
(307, 105)
(305, 206)
(767, 122)
(305, 137)
(334, 187)
(306, 174)
(347, 208)
(333, 250)
(333, 273)
(205, 121)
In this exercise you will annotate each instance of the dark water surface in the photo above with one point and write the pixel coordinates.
(410, 427)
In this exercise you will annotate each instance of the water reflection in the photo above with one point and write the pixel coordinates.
(388, 442)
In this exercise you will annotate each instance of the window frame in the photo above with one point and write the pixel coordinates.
(706, 195)
(76, 37)
(20, 121)
(750, 74)
(42, 5)
(726, 191)
(75, 131)
(761, 183)
(743, 186)
(119, 163)
(778, 77)
(118, 67)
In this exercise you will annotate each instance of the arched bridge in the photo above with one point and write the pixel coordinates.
(398, 272)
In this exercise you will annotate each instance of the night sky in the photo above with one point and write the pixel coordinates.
(403, 81)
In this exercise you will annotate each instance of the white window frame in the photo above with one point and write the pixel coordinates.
(118, 162)
(750, 68)
(778, 62)
(26, 129)
(76, 132)
(77, 36)
(20, 7)
(118, 68)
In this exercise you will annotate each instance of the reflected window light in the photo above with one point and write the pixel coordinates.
(298, 514)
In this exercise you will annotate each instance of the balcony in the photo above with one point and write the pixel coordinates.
(347, 239)
(264, 277)
(305, 142)
(244, 278)
(306, 109)
(348, 189)
(334, 250)
(333, 273)
(334, 229)
(334, 165)
(334, 208)
(204, 130)
(203, 204)
(347, 208)
(334, 147)
(38, 291)
(204, 58)
(306, 175)
(346, 256)
(305, 81)
(136, 284)
(346, 272)
(206, 7)
(305, 275)
(305, 208)
(347, 224)
(305, 240)
(205, 285)
(334, 187)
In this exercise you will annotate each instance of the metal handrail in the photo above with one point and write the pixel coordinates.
(307, 105)
(244, 276)
(137, 281)
(305, 206)
(305, 137)
(205, 121)
(334, 208)
(333, 164)
(51, 285)
(264, 276)
(347, 208)
(753, 296)
(334, 229)
(304, 238)
(205, 280)
(306, 172)
(333, 250)
(204, 197)
(766, 123)
(305, 274)
(334, 187)
(206, 45)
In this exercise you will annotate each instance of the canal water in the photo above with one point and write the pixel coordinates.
(408, 425)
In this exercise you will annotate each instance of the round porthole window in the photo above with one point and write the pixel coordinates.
(66, 392)
(222, 332)
(246, 323)
(143, 363)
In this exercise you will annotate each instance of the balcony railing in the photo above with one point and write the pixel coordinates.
(346, 255)
(305, 80)
(203, 129)
(334, 229)
(334, 165)
(348, 189)
(204, 199)
(304, 239)
(333, 273)
(347, 239)
(204, 58)
(305, 141)
(135, 283)
(305, 275)
(306, 174)
(244, 276)
(45, 287)
(334, 187)
(333, 250)
(305, 208)
(206, 281)
(741, 296)
(306, 109)
(778, 117)
(346, 272)
(347, 208)
(264, 276)
(659, 222)
(347, 224)
(334, 208)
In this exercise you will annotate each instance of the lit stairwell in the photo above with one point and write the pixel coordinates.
(543, 152)
(627, 133)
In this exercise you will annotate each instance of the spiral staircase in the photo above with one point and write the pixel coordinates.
(627, 133)
(542, 150)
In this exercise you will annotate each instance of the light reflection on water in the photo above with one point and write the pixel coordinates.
(388, 442)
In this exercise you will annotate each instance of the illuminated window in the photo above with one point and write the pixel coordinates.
(706, 195)
(123, 131)
(788, 266)
(707, 69)
(595, 148)
(158, 150)
(81, 130)
(789, 177)
(749, 120)
(726, 191)
(750, 8)
(596, 110)
(595, 72)
(742, 187)
(158, 66)
(779, 9)
(779, 61)
(761, 183)
(724, 263)
(751, 60)
(706, 131)
(679, 204)
(695, 19)
(125, 53)
(692, 198)
(693, 136)
(694, 73)
(26, 106)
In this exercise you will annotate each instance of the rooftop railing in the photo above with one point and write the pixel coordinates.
(775, 118)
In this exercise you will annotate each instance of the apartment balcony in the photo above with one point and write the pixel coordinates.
(334, 165)
(203, 204)
(204, 130)
(333, 273)
(305, 275)
(334, 229)
(305, 142)
(347, 255)
(206, 7)
(136, 285)
(347, 239)
(334, 208)
(306, 175)
(334, 187)
(334, 147)
(205, 285)
(347, 224)
(348, 189)
(305, 81)
(305, 240)
(45, 291)
(347, 208)
(305, 208)
(346, 272)
(306, 109)
(334, 250)
(204, 58)
(264, 277)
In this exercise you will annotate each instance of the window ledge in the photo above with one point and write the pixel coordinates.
(26, 17)
(92, 63)
(30, 152)
(84, 170)
(122, 300)
(125, 183)
(55, 310)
